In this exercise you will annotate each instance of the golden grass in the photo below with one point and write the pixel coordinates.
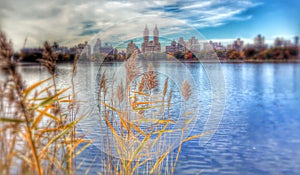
(36, 135)
(137, 135)
(39, 137)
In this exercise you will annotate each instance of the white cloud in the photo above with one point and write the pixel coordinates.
(70, 22)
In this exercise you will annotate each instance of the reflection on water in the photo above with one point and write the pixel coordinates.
(259, 132)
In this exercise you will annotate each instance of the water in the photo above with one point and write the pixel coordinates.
(259, 132)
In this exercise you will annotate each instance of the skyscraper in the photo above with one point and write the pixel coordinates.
(97, 46)
(193, 45)
(259, 43)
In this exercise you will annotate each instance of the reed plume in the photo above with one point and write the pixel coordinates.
(141, 84)
(49, 58)
(119, 93)
(132, 70)
(165, 87)
(151, 78)
(35, 138)
(186, 90)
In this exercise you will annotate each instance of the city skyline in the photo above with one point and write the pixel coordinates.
(77, 21)
(184, 45)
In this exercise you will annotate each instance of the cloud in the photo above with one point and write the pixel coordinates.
(208, 13)
(70, 22)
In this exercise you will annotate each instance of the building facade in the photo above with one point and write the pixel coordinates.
(172, 48)
(193, 45)
(105, 49)
(130, 47)
(213, 45)
(151, 46)
(259, 43)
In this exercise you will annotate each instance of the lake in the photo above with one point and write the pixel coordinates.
(259, 132)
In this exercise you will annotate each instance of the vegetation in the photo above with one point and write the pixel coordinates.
(138, 122)
(248, 54)
(251, 54)
(37, 122)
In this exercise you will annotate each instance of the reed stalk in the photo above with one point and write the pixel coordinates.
(33, 116)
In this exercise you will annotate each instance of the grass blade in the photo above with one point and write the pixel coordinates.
(65, 131)
(4, 119)
(159, 161)
(29, 89)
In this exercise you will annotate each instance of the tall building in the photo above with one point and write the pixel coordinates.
(151, 46)
(97, 46)
(130, 47)
(259, 40)
(181, 46)
(106, 49)
(259, 43)
(193, 45)
(238, 45)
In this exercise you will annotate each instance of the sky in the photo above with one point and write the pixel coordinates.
(70, 22)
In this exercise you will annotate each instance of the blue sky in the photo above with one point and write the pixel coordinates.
(70, 22)
(270, 18)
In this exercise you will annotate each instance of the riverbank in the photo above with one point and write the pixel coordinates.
(185, 61)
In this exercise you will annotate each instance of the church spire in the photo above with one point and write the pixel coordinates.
(146, 34)
(146, 31)
(155, 31)
(156, 35)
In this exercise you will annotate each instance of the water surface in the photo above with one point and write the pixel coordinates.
(260, 129)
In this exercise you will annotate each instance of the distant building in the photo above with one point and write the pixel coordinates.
(238, 45)
(259, 43)
(172, 48)
(181, 46)
(130, 47)
(296, 40)
(97, 46)
(106, 49)
(213, 45)
(61, 50)
(73, 50)
(193, 45)
(207, 46)
(81, 48)
(220, 47)
(151, 46)
(32, 50)
(280, 42)
(259, 40)
(229, 47)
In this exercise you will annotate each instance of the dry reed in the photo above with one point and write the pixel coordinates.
(186, 90)
(36, 137)
(137, 136)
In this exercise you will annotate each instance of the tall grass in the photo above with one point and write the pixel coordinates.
(38, 122)
(139, 123)
(37, 133)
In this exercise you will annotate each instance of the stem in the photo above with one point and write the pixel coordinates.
(28, 128)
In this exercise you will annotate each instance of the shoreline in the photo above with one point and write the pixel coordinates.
(185, 61)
